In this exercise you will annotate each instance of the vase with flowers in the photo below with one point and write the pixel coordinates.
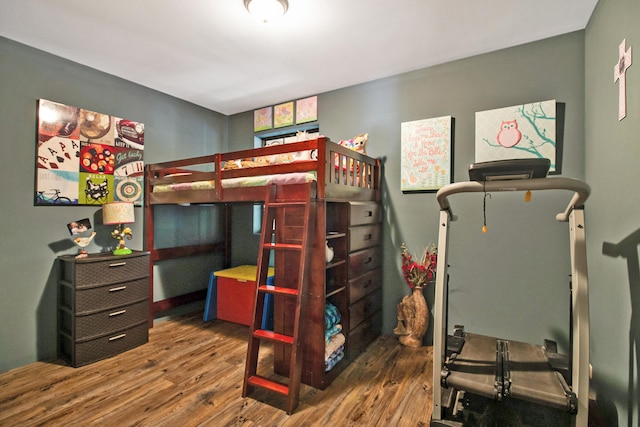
(413, 313)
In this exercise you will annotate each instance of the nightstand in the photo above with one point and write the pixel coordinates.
(103, 305)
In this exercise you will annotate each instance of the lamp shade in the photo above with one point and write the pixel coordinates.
(118, 213)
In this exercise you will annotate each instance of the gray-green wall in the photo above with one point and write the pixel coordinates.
(613, 151)
(491, 293)
(34, 236)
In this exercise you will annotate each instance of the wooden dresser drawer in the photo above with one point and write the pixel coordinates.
(84, 352)
(364, 334)
(365, 260)
(364, 213)
(97, 270)
(90, 300)
(365, 284)
(364, 308)
(101, 323)
(364, 236)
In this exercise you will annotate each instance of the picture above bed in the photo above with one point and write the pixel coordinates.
(287, 114)
(87, 158)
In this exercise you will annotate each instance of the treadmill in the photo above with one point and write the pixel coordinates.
(482, 380)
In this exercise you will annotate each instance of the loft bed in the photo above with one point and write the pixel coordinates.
(340, 174)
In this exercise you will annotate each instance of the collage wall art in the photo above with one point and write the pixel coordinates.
(87, 158)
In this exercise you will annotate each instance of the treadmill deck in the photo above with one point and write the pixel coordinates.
(497, 369)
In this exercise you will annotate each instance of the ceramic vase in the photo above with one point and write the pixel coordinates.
(413, 318)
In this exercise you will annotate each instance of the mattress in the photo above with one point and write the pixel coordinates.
(252, 181)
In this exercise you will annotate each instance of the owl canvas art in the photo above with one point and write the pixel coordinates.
(509, 134)
(519, 132)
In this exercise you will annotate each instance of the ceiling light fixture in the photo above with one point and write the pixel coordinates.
(266, 10)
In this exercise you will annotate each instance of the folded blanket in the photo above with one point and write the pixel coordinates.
(333, 361)
(331, 315)
(335, 353)
(336, 342)
(328, 335)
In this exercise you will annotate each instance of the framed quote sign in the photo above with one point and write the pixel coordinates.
(87, 158)
(426, 161)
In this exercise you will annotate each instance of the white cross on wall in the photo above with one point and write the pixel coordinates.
(619, 73)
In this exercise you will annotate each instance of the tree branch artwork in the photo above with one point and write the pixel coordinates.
(524, 131)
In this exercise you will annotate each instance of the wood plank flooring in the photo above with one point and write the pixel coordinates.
(190, 374)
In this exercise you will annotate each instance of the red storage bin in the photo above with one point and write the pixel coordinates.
(236, 289)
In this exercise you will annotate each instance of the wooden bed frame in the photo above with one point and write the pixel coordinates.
(341, 175)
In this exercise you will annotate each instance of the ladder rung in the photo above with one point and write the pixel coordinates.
(273, 336)
(283, 246)
(267, 384)
(278, 290)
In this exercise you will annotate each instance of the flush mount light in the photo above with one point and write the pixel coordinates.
(266, 10)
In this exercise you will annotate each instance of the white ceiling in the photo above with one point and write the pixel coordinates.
(213, 54)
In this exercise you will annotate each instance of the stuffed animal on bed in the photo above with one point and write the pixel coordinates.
(277, 159)
(245, 163)
(357, 144)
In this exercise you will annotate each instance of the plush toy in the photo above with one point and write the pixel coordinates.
(302, 135)
(276, 159)
(357, 144)
(261, 161)
(229, 165)
(245, 163)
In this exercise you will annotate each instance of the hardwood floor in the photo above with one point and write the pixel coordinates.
(190, 374)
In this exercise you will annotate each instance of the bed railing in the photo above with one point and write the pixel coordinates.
(338, 169)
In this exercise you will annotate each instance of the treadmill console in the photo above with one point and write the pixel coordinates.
(499, 170)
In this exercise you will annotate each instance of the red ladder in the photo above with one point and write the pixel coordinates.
(286, 223)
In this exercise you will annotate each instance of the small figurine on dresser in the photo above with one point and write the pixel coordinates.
(78, 230)
(120, 234)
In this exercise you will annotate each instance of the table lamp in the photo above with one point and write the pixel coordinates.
(119, 213)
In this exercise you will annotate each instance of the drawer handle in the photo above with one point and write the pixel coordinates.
(119, 288)
(367, 236)
(368, 260)
(368, 213)
(368, 283)
(117, 337)
(118, 264)
(117, 313)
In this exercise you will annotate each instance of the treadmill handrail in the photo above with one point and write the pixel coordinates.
(580, 188)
